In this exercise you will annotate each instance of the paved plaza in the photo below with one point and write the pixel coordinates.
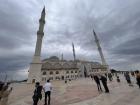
(80, 92)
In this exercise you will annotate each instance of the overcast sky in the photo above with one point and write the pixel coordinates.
(116, 22)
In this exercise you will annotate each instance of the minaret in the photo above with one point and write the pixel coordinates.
(35, 66)
(62, 57)
(73, 52)
(99, 49)
(40, 34)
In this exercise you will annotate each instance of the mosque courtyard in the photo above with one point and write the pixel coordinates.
(80, 92)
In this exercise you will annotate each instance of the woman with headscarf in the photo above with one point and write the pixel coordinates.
(5, 94)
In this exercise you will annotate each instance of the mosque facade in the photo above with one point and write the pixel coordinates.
(54, 68)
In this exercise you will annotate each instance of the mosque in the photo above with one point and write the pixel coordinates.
(54, 68)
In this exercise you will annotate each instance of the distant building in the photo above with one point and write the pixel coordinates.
(55, 69)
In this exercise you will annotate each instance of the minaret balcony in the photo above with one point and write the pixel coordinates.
(42, 21)
(40, 33)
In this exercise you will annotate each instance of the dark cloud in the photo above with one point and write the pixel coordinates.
(128, 48)
(115, 22)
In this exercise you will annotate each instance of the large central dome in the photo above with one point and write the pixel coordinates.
(54, 58)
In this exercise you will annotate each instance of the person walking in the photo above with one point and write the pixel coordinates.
(138, 78)
(1, 89)
(37, 93)
(128, 79)
(118, 79)
(47, 88)
(110, 76)
(97, 80)
(91, 76)
(104, 82)
(5, 92)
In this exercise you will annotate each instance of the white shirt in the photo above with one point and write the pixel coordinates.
(47, 87)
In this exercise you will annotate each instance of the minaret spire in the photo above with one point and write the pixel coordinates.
(43, 11)
(40, 33)
(62, 57)
(73, 51)
(99, 48)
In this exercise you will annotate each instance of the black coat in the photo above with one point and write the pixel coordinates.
(103, 79)
(37, 93)
(97, 80)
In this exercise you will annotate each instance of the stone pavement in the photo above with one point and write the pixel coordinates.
(80, 92)
(62, 94)
(120, 95)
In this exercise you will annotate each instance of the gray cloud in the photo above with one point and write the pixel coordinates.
(115, 22)
(129, 48)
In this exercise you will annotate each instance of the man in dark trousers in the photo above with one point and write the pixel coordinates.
(37, 93)
(97, 80)
(138, 77)
(110, 76)
(128, 79)
(47, 88)
(104, 82)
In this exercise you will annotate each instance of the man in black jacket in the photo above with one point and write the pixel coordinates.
(104, 82)
(37, 93)
(97, 80)
(110, 77)
(138, 77)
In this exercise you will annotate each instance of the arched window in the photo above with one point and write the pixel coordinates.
(43, 79)
(51, 78)
(44, 73)
(75, 71)
(51, 72)
(71, 71)
(67, 72)
(57, 72)
(57, 78)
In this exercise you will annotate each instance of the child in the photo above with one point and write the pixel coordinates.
(118, 79)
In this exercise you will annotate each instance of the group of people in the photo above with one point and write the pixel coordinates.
(98, 79)
(38, 93)
(103, 79)
(4, 93)
(128, 78)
